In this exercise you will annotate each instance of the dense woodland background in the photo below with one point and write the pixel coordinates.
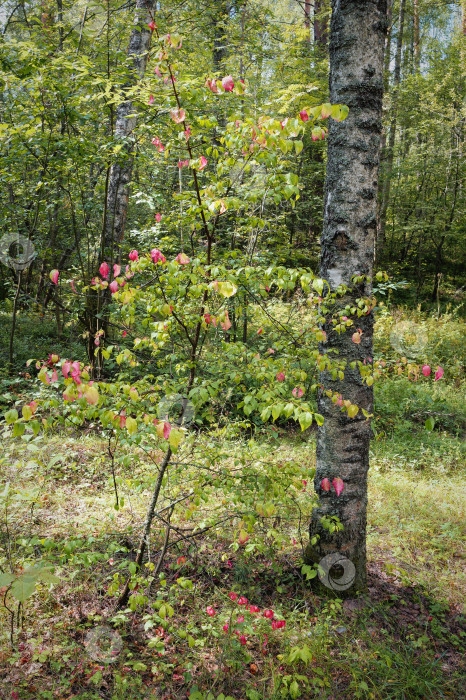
(63, 69)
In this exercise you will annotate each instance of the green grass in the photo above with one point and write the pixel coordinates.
(415, 536)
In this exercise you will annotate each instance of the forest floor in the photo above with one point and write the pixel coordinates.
(405, 639)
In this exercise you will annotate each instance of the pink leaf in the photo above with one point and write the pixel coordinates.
(151, 100)
(116, 270)
(210, 611)
(133, 256)
(54, 276)
(157, 256)
(280, 377)
(242, 539)
(212, 85)
(113, 286)
(158, 217)
(152, 25)
(227, 83)
(178, 115)
(65, 368)
(338, 485)
(76, 372)
(104, 270)
(182, 259)
(73, 287)
(226, 324)
(297, 392)
(426, 370)
(187, 133)
(304, 115)
(166, 430)
(203, 163)
(325, 484)
(439, 373)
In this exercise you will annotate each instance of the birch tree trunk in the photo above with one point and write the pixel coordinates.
(119, 179)
(356, 48)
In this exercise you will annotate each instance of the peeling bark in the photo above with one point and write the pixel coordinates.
(357, 35)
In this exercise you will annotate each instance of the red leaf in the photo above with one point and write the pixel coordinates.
(325, 484)
(338, 485)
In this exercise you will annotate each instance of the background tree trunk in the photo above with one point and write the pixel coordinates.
(417, 47)
(356, 78)
(389, 155)
(320, 24)
(121, 170)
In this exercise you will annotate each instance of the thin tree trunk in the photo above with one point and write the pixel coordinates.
(357, 35)
(119, 180)
(307, 19)
(389, 155)
(417, 46)
(13, 325)
(320, 24)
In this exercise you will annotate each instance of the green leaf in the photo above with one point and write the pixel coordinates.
(48, 577)
(131, 425)
(25, 585)
(11, 416)
(298, 146)
(18, 429)
(430, 424)
(227, 289)
(276, 410)
(6, 579)
(305, 420)
(175, 437)
(319, 419)
(27, 412)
